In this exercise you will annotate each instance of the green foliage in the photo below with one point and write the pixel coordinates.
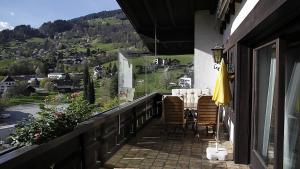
(60, 67)
(18, 89)
(51, 124)
(41, 70)
(50, 28)
(88, 52)
(35, 83)
(86, 79)
(114, 87)
(49, 86)
(22, 67)
(3, 104)
(114, 69)
(108, 104)
(21, 33)
(91, 92)
(33, 98)
(43, 82)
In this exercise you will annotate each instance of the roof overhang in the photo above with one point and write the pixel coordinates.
(173, 19)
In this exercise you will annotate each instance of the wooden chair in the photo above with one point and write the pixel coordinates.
(173, 113)
(207, 113)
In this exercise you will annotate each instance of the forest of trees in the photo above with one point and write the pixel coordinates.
(78, 27)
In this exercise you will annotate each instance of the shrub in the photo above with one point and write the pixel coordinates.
(51, 124)
(49, 86)
(3, 104)
(43, 82)
(17, 89)
(109, 104)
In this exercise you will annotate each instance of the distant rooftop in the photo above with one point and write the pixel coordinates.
(8, 79)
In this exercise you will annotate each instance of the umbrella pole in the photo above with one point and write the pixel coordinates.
(218, 127)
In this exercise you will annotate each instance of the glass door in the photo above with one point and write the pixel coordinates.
(263, 120)
(291, 146)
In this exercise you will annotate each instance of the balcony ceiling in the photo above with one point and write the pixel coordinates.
(174, 22)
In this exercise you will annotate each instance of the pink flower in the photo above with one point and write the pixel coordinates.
(37, 136)
(76, 94)
(58, 114)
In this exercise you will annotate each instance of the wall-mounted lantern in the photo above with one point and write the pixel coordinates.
(217, 53)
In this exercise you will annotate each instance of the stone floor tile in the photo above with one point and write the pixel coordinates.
(176, 153)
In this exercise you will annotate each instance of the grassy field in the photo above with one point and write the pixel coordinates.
(110, 21)
(103, 46)
(146, 60)
(35, 98)
(184, 59)
(36, 40)
(155, 81)
(6, 63)
(25, 100)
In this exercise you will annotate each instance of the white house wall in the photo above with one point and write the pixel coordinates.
(206, 37)
(242, 11)
(125, 72)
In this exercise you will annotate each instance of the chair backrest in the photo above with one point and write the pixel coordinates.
(173, 110)
(207, 111)
(190, 96)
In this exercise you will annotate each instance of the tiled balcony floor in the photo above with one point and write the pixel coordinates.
(151, 149)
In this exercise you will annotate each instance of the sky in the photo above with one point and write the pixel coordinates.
(36, 12)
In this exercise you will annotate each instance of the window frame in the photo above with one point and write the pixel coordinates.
(256, 160)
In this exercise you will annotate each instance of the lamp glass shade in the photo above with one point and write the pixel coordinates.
(217, 54)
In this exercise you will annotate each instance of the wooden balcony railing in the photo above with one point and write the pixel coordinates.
(91, 143)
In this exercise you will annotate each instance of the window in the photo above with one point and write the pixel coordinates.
(291, 147)
(264, 114)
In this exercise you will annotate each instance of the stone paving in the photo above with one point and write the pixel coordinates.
(151, 149)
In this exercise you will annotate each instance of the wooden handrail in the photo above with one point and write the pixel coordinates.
(89, 144)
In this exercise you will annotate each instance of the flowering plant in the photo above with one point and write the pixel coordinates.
(51, 124)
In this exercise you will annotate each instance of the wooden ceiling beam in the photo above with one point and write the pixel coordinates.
(192, 4)
(170, 11)
(149, 12)
(133, 20)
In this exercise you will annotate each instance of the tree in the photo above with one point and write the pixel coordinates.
(88, 52)
(58, 26)
(109, 68)
(166, 78)
(41, 70)
(22, 67)
(86, 80)
(114, 69)
(88, 86)
(60, 67)
(91, 92)
(114, 87)
(18, 89)
(35, 83)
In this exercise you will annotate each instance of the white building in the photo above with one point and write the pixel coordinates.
(159, 61)
(125, 79)
(6, 83)
(33, 79)
(57, 76)
(185, 82)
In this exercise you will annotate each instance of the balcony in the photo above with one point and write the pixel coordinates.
(129, 136)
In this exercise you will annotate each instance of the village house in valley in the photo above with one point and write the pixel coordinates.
(6, 83)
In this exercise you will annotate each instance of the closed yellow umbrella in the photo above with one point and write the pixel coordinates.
(222, 94)
(222, 97)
